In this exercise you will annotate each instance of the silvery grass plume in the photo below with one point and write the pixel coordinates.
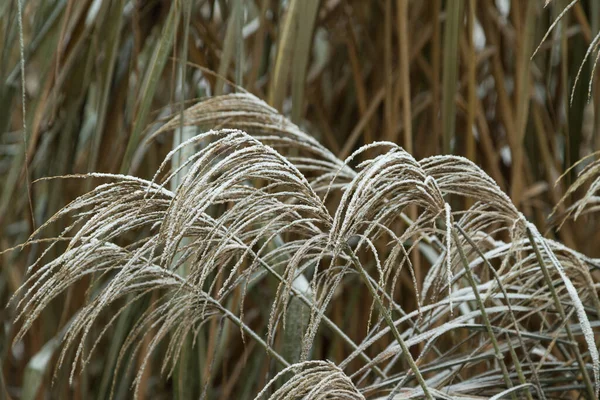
(501, 311)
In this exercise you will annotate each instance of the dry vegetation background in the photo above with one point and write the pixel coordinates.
(281, 220)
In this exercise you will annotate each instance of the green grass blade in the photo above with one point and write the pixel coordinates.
(285, 52)
(148, 89)
(450, 72)
(307, 15)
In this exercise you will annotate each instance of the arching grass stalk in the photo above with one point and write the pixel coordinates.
(328, 322)
(484, 315)
(514, 321)
(390, 322)
(561, 311)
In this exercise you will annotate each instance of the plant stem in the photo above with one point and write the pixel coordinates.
(561, 311)
(388, 319)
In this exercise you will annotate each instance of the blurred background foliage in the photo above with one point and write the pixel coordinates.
(434, 76)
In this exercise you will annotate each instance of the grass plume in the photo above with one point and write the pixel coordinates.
(255, 210)
(217, 246)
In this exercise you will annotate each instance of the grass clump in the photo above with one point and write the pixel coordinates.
(223, 250)
(501, 311)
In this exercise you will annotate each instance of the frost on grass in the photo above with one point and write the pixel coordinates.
(258, 206)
